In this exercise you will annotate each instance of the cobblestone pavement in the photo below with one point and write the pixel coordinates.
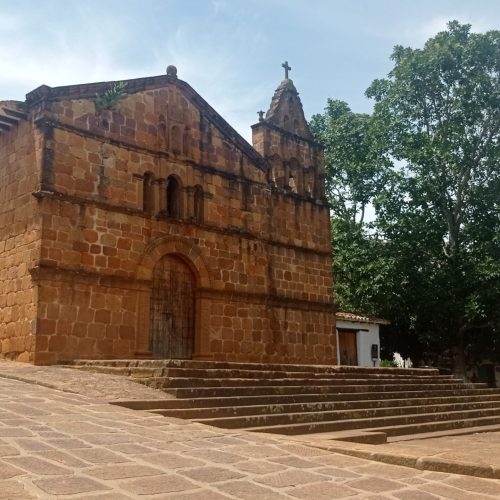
(481, 449)
(472, 454)
(96, 385)
(57, 444)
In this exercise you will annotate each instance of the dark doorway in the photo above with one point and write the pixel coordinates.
(172, 310)
(348, 348)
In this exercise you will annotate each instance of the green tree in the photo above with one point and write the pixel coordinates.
(439, 111)
(437, 121)
(354, 176)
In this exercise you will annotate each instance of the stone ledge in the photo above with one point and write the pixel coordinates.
(405, 458)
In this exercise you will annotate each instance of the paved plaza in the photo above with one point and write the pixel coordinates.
(60, 438)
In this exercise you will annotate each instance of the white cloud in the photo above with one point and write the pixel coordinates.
(429, 28)
(211, 64)
(207, 51)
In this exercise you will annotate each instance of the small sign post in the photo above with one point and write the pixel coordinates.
(374, 351)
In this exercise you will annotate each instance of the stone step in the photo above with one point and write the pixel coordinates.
(475, 429)
(264, 400)
(214, 374)
(199, 364)
(253, 390)
(353, 436)
(293, 408)
(285, 418)
(436, 428)
(223, 373)
(391, 425)
(387, 384)
(367, 404)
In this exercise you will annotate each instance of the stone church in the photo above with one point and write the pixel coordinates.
(135, 222)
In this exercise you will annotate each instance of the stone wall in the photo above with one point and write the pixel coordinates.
(84, 316)
(19, 240)
(162, 174)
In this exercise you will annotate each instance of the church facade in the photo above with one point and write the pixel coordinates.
(135, 222)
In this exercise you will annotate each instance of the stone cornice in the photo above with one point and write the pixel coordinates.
(290, 135)
(239, 232)
(48, 124)
(44, 272)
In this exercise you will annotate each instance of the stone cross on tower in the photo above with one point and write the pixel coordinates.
(287, 69)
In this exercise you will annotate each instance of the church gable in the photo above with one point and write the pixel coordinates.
(162, 115)
(153, 146)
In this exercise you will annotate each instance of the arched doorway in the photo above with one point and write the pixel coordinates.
(172, 309)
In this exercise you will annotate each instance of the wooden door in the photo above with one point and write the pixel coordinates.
(348, 348)
(172, 310)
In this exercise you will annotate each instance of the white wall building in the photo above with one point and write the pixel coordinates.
(358, 339)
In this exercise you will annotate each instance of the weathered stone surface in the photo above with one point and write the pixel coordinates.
(7, 471)
(414, 495)
(123, 471)
(37, 466)
(323, 491)
(211, 474)
(476, 485)
(247, 490)
(10, 490)
(158, 484)
(259, 467)
(98, 199)
(173, 461)
(99, 455)
(374, 484)
(69, 485)
(218, 470)
(290, 478)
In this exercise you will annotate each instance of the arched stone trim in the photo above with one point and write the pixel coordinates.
(184, 249)
(191, 255)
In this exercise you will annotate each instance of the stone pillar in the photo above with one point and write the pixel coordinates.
(162, 195)
(286, 169)
(201, 349)
(139, 190)
(142, 333)
(189, 202)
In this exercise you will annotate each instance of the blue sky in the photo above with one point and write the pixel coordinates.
(230, 51)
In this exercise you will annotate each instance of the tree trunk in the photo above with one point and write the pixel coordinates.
(459, 358)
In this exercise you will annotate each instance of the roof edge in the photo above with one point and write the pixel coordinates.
(287, 133)
(89, 91)
(357, 318)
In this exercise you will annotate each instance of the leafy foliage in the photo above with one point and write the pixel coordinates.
(355, 174)
(111, 97)
(428, 160)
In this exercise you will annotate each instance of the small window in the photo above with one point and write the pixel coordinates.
(147, 192)
(174, 199)
(198, 204)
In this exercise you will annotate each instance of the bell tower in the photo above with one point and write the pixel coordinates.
(283, 138)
